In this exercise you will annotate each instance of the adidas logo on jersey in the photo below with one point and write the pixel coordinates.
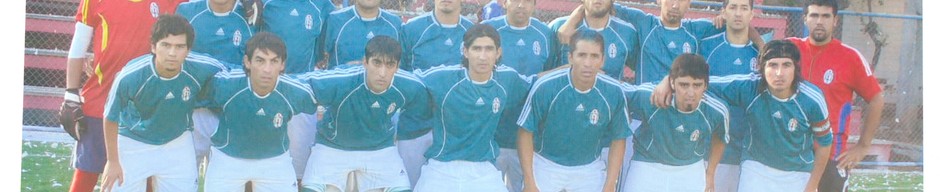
(294, 12)
(449, 42)
(220, 32)
(260, 112)
(520, 43)
(579, 108)
(169, 96)
(680, 129)
(376, 105)
(738, 61)
(777, 115)
(370, 35)
(672, 45)
(480, 101)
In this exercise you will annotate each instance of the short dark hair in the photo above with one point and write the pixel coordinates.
(266, 41)
(689, 64)
(383, 46)
(780, 48)
(828, 3)
(586, 35)
(725, 3)
(167, 25)
(475, 32)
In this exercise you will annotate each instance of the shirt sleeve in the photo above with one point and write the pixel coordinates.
(638, 99)
(533, 111)
(329, 40)
(118, 97)
(87, 13)
(632, 15)
(620, 120)
(863, 78)
(703, 27)
(737, 90)
(818, 115)
(406, 43)
(416, 114)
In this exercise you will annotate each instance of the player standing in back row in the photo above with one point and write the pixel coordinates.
(839, 70)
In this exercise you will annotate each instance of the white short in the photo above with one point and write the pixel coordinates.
(550, 176)
(227, 173)
(205, 123)
(726, 177)
(377, 169)
(646, 176)
(175, 170)
(508, 163)
(302, 133)
(460, 176)
(759, 177)
(412, 154)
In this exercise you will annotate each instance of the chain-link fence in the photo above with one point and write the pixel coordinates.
(887, 33)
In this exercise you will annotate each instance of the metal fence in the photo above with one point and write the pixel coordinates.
(888, 34)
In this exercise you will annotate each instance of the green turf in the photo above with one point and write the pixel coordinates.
(46, 168)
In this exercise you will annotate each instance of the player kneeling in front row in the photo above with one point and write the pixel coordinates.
(672, 143)
(150, 106)
(355, 135)
(464, 150)
(251, 143)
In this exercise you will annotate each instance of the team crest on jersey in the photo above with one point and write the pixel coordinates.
(237, 38)
(154, 10)
(754, 64)
(792, 125)
(829, 76)
(278, 120)
(186, 93)
(686, 48)
(308, 21)
(612, 50)
(694, 136)
(594, 117)
(536, 48)
(391, 108)
(495, 105)
(449, 42)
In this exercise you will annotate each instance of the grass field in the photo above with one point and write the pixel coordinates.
(46, 168)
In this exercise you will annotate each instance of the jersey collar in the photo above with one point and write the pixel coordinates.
(276, 82)
(153, 68)
(571, 83)
(208, 6)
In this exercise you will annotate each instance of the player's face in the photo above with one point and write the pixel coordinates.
(264, 68)
(520, 10)
(738, 14)
(447, 6)
(779, 74)
(368, 4)
(689, 92)
(597, 8)
(821, 22)
(170, 53)
(482, 55)
(379, 72)
(586, 60)
(672, 11)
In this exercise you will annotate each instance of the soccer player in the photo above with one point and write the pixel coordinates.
(299, 24)
(349, 29)
(148, 113)
(566, 115)
(672, 144)
(528, 41)
(729, 53)
(251, 142)
(493, 9)
(620, 37)
(789, 136)
(118, 32)
(221, 31)
(462, 155)
(434, 38)
(528, 49)
(355, 135)
(839, 70)
(428, 40)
